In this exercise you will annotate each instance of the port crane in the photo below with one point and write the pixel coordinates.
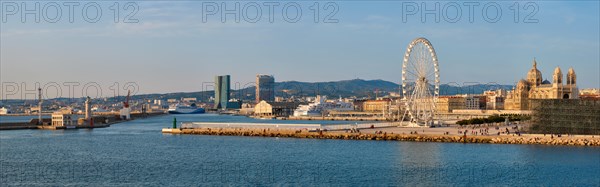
(126, 103)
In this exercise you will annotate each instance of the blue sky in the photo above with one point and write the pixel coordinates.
(171, 49)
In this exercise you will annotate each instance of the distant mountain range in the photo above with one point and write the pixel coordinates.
(333, 89)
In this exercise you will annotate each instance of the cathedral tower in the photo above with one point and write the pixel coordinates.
(557, 77)
(534, 76)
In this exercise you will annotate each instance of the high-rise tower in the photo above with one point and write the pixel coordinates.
(221, 91)
(265, 88)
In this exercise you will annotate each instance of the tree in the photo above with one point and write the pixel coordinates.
(477, 121)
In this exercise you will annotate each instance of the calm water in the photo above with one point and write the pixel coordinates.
(6, 119)
(137, 154)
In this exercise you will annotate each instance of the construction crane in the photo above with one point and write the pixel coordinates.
(126, 103)
(40, 102)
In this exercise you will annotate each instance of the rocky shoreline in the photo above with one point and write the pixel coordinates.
(505, 139)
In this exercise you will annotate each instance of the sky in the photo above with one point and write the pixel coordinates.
(179, 46)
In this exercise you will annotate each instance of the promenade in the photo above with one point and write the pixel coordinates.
(441, 134)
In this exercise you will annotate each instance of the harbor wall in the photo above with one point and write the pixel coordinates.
(546, 140)
(17, 126)
(99, 122)
(565, 116)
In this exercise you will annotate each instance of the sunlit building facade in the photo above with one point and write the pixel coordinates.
(265, 88)
(534, 88)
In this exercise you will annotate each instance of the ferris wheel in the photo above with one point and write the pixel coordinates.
(420, 83)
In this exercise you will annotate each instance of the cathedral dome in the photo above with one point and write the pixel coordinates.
(546, 82)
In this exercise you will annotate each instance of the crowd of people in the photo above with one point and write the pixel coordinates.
(486, 131)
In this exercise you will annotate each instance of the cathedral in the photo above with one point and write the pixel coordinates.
(535, 88)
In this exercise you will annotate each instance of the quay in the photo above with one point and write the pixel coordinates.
(102, 121)
(26, 114)
(381, 133)
(18, 126)
(102, 125)
(307, 127)
(28, 125)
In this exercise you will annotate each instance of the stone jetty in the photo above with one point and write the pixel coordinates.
(287, 133)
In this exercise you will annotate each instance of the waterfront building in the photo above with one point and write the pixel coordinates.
(498, 92)
(590, 93)
(33, 110)
(448, 103)
(222, 86)
(247, 109)
(494, 103)
(189, 99)
(160, 103)
(475, 102)
(376, 105)
(275, 109)
(495, 99)
(63, 118)
(534, 88)
(358, 104)
(263, 108)
(265, 88)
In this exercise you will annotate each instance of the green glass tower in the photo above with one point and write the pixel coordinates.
(221, 91)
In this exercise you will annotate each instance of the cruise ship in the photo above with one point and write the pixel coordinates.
(320, 105)
(184, 109)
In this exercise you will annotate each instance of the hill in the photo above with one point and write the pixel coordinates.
(345, 88)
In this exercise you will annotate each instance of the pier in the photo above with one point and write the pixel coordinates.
(336, 118)
(308, 127)
(18, 126)
(101, 121)
(381, 132)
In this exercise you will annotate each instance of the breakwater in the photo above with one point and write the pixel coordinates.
(281, 126)
(99, 122)
(286, 133)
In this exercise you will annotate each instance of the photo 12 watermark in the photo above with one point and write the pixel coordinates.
(70, 90)
(271, 12)
(471, 12)
(68, 11)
